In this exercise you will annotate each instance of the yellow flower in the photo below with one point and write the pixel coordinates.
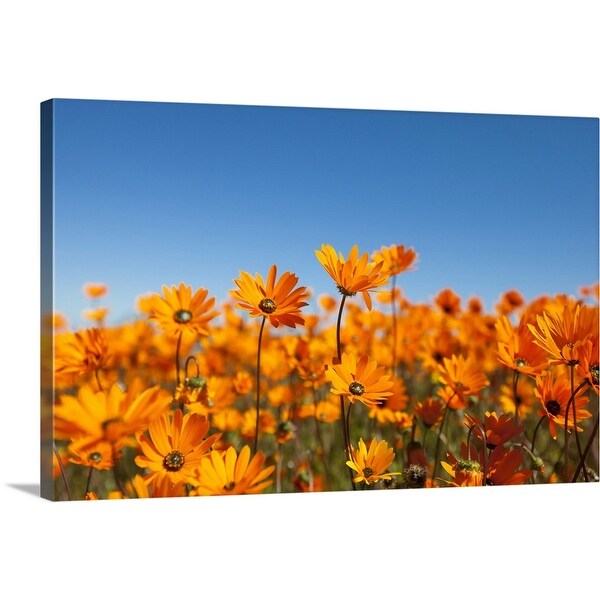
(363, 380)
(228, 474)
(370, 464)
(354, 274)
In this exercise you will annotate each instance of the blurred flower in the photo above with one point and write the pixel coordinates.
(396, 258)
(95, 290)
(229, 474)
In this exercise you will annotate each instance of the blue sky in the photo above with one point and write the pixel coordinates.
(151, 194)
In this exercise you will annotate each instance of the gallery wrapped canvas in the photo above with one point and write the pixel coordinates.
(263, 300)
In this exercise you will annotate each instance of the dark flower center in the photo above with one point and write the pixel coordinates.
(267, 305)
(415, 476)
(174, 461)
(595, 373)
(229, 486)
(521, 362)
(182, 316)
(357, 389)
(367, 472)
(553, 407)
(342, 290)
(95, 457)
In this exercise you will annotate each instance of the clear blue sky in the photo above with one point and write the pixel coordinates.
(151, 194)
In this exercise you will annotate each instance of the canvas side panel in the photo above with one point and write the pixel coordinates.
(47, 299)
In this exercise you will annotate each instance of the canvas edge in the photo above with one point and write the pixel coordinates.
(46, 299)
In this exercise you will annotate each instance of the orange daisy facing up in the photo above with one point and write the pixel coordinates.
(361, 381)
(179, 311)
(354, 274)
(173, 448)
(276, 300)
(370, 463)
(226, 473)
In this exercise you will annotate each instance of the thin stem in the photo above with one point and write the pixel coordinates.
(394, 324)
(278, 471)
(581, 464)
(262, 326)
(437, 444)
(338, 338)
(566, 446)
(89, 480)
(320, 440)
(515, 396)
(62, 472)
(585, 476)
(177, 350)
(535, 431)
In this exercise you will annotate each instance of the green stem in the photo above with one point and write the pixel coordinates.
(177, 351)
(62, 472)
(581, 464)
(515, 396)
(262, 326)
(338, 338)
(437, 444)
(566, 446)
(89, 480)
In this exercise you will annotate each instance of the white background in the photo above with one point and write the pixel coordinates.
(502, 57)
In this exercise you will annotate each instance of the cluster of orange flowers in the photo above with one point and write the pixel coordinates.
(260, 395)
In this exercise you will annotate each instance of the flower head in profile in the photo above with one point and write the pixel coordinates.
(561, 332)
(361, 380)
(227, 473)
(371, 463)
(95, 290)
(280, 301)
(354, 274)
(396, 258)
(517, 349)
(173, 448)
(82, 352)
(179, 310)
(498, 429)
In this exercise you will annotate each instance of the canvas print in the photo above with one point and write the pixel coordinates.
(269, 300)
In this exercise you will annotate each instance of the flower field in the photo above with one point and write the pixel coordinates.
(255, 393)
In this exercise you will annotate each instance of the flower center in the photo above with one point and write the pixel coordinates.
(367, 472)
(521, 362)
(182, 316)
(595, 373)
(229, 486)
(553, 407)
(356, 389)
(342, 290)
(195, 382)
(95, 457)
(267, 305)
(174, 461)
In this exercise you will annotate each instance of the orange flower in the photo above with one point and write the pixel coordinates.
(95, 290)
(509, 302)
(370, 464)
(462, 375)
(173, 448)
(448, 302)
(111, 416)
(588, 367)
(363, 380)
(354, 274)
(81, 353)
(430, 411)
(498, 429)
(518, 350)
(181, 312)
(228, 474)
(89, 453)
(554, 394)
(278, 301)
(561, 332)
(396, 259)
